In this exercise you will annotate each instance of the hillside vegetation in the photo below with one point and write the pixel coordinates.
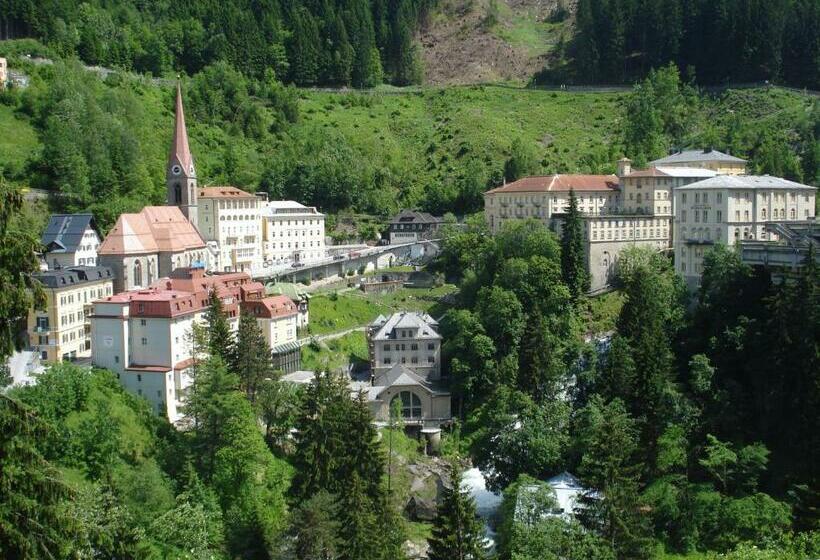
(102, 144)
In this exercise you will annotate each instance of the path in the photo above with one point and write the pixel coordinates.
(329, 336)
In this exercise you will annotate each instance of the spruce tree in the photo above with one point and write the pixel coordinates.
(573, 264)
(457, 532)
(251, 356)
(220, 336)
(358, 520)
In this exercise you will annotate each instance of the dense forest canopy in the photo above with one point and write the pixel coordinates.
(328, 42)
(719, 41)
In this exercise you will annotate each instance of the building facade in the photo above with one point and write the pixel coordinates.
(70, 240)
(409, 226)
(143, 336)
(292, 232)
(4, 72)
(406, 338)
(729, 209)
(151, 244)
(231, 217)
(61, 331)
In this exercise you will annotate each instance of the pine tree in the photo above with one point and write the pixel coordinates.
(358, 519)
(457, 533)
(573, 264)
(365, 456)
(220, 336)
(251, 356)
(33, 523)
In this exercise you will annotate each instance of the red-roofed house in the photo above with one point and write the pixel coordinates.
(144, 335)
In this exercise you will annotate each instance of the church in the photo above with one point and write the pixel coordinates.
(148, 245)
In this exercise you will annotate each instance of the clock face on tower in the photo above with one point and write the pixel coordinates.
(176, 170)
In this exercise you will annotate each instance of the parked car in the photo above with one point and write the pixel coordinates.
(338, 257)
(297, 265)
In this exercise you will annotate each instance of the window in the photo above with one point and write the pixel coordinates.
(431, 346)
(144, 341)
(387, 360)
(139, 377)
(142, 322)
(683, 216)
(387, 348)
(414, 346)
(410, 404)
(431, 360)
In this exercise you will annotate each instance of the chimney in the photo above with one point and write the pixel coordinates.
(624, 167)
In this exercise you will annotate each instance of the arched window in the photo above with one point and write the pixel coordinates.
(410, 404)
(150, 271)
(137, 273)
(177, 193)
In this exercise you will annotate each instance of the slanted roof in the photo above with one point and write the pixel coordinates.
(746, 182)
(560, 183)
(665, 171)
(402, 376)
(289, 289)
(224, 192)
(64, 232)
(406, 320)
(154, 229)
(180, 150)
(413, 217)
(73, 276)
(690, 156)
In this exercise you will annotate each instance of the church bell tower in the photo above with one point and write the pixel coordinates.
(180, 175)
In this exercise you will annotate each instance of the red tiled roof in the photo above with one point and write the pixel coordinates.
(155, 228)
(560, 183)
(650, 172)
(271, 307)
(223, 192)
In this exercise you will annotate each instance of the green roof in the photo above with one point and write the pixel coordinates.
(289, 289)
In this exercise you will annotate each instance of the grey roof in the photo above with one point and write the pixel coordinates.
(410, 320)
(64, 232)
(413, 217)
(402, 376)
(74, 275)
(686, 156)
(745, 182)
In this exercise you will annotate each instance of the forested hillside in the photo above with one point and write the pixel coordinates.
(101, 145)
(350, 42)
(721, 41)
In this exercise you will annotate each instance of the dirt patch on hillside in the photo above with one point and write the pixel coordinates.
(462, 42)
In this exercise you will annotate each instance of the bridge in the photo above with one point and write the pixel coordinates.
(358, 260)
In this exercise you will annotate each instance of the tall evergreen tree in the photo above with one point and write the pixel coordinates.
(220, 336)
(457, 533)
(251, 356)
(573, 264)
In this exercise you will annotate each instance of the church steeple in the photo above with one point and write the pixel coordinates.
(180, 175)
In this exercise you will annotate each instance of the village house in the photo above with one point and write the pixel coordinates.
(143, 335)
(409, 226)
(70, 240)
(61, 331)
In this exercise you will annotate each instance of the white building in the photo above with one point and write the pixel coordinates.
(70, 240)
(723, 164)
(231, 217)
(292, 232)
(143, 336)
(727, 209)
(406, 338)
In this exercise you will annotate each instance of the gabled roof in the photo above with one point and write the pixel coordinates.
(154, 229)
(180, 151)
(64, 232)
(224, 192)
(409, 320)
(560, 183)
(402, 376)
(660, 171)
(746, 182)
(413, 217)
(689, 156)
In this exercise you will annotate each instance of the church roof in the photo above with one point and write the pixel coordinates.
(180, 151)
(154, 229)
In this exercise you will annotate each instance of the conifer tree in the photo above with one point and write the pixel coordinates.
(220, 336)
(358, 520)
(457, 533)
(251, 356)
(573, 264)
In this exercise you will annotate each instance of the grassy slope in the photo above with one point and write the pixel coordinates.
(18, 140)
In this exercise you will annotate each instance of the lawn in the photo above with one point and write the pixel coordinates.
(334, 354)
(339, 311)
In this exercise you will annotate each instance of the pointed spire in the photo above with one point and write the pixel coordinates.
(180, 152)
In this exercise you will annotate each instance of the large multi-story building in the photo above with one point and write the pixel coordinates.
(542, 197)
(143, 336)
(723, 164)
(151, 244)
(732, 208)
(70, 240)
(405, 368)
(61, 331)
(407, 338)
(292, 232)
(231, 217)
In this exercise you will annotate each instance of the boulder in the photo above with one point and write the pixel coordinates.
(420, 509)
